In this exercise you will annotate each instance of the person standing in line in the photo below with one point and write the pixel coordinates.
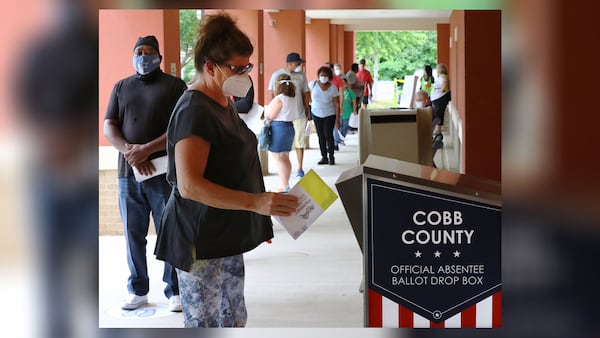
(325, 103)
(364, 76)
(218, 208)
(337, 80)
(422, 101)
(281, 114)
(427, 80)
(337, 70)
(293, 68)
(135, 124)
(339, 83)
(440, 97)
(354, 84)
(348, 108)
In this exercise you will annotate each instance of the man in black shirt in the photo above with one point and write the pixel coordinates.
(135, 123)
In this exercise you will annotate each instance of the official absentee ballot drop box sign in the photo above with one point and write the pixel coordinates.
(431, 247)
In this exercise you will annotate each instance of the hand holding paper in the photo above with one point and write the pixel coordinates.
(160, 166)
(315, 197)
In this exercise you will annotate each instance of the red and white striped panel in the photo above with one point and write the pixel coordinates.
(383, 312)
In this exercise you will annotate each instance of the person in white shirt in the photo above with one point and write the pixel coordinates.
(325, 107)
(281, 113)
(293, 68)
(440, 97)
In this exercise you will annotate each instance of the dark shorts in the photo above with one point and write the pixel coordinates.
(282, 136)
(439, 108)
(365, 99)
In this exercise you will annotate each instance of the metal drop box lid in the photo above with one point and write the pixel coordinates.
(408, 172)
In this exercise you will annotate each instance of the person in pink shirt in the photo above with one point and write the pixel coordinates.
(364, 76)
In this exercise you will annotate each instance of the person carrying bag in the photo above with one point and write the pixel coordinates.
(264, 138)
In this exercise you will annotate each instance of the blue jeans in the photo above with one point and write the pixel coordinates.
(344, 126)
(136, 201)
(336, 136)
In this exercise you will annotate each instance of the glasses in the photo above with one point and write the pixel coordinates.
(239, 70)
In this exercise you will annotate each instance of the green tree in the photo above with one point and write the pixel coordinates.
(375, 46)
(396, 54)
(188, 26)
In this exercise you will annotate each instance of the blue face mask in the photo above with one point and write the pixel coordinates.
(144, 64)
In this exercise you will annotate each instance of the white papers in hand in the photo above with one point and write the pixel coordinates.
(160, 166)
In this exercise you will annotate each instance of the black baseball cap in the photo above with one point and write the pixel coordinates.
(294, 57)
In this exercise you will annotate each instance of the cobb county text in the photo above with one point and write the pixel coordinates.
(438, 236)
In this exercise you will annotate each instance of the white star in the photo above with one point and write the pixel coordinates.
(417, 253)
(437, 253)
(456, 253)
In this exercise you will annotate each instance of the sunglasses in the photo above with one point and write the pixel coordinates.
(239, 70)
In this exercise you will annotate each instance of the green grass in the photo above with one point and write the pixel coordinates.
(381, 103)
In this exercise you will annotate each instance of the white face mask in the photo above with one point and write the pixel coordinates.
(236, 85)
(323, 79)
(298, 69)
(419, 104)
(338, 72)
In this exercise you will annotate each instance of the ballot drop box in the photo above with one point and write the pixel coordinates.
(431, 244)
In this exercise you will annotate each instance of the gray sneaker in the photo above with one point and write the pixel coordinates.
(133, 301)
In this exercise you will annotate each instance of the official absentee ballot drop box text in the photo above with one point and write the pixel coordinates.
(431, 244)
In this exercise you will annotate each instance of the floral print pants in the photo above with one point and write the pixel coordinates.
(212, 293)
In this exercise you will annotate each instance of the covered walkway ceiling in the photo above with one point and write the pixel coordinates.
(382, 19)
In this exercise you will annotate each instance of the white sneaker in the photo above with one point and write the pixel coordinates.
(175, 303)
(133, 301)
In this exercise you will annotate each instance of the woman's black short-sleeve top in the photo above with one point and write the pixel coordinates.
(191, 230)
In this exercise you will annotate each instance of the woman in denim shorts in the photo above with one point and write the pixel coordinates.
(281, 113)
